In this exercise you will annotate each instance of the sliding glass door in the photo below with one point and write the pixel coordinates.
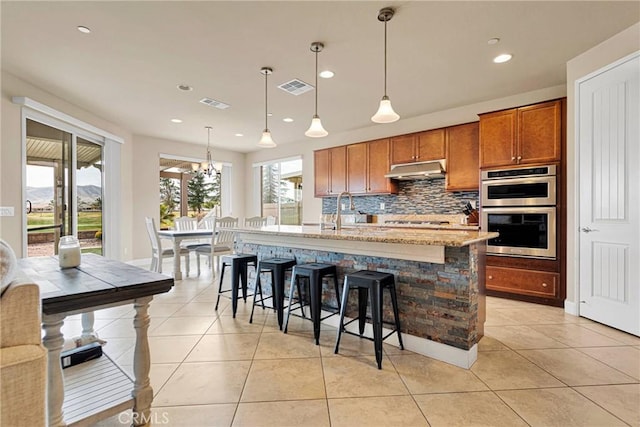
(64, 184)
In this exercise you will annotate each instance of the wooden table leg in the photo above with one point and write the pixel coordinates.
(54, 341)
(88, 320)
(142, 391)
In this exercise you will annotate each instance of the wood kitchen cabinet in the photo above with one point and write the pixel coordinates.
(330, 171)
(463, 166)
(418, 147)
(525, 135)
(524, 282)
(367, 163)
(357, 168)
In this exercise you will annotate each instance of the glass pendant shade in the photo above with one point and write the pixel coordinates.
(195, 167)
(266, 141)
(385, 113)
(316, 130)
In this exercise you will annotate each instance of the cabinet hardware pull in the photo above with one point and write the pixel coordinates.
(519, 158)
(490, 277)
(544, 285)
(513, 158)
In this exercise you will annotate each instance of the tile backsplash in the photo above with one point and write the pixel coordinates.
(419, 197)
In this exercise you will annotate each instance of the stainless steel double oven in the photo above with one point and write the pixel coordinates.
(520, 204)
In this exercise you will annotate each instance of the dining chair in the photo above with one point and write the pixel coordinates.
(158, 252)
(185, 223)
(222, 241)
(255, 222)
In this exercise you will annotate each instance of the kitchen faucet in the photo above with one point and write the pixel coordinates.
(338, 216)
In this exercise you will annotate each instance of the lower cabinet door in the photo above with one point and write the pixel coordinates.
(524, 282)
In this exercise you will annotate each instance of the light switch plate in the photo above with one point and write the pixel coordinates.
(6, 211)
(382, 206)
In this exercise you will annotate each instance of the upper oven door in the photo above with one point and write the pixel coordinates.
(535, 191)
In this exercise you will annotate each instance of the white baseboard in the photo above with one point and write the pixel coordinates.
(443, 352)
(571, 307)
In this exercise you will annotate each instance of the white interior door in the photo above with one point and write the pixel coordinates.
(609, 185)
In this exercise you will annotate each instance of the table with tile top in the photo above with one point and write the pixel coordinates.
(97, 389)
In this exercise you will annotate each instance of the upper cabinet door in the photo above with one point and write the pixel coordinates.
(379, 163)
(498, 138)
(463, 173)
(403, 149)
(357, 168)
(430, 145)
(539, 133)
(338, 158)
(321, 173)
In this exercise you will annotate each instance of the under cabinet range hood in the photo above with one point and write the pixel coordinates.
(419, 170)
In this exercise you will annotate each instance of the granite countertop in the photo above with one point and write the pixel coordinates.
(435, 237)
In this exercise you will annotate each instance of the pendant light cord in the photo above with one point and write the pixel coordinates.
(316, 113)
(385, 57)
(266, 112)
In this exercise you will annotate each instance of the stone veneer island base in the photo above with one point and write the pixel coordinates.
(438, 272)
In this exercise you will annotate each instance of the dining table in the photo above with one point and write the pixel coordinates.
(176, 237)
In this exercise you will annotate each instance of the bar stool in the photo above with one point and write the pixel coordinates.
(313, 273)
(370, 282)
(277, 267)
(239, 267)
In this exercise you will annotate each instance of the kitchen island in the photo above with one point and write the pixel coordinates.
(438, 272)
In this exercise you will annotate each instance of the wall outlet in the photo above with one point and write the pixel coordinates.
(382, 206)
(6, 211)
(342, 206)
(473, 204)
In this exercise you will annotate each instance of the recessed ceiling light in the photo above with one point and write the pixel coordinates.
(494, 40)
(176, 120)
(184, 87)
(287, 119)
(84, 29)
(326, 74)
(502, 58)
(239, 134)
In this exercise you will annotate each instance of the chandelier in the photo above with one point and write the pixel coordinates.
(207, 167)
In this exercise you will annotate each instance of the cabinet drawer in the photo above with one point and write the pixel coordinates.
(525, 282)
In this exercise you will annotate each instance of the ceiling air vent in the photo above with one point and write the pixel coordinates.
(213, 103)
(296, 87)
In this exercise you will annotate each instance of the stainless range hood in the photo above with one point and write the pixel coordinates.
(419, 170)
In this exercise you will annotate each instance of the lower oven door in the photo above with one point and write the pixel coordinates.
(524, 231)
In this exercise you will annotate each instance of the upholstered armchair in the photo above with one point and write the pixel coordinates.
(23, 359)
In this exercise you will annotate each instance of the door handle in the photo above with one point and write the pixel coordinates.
(588, 230)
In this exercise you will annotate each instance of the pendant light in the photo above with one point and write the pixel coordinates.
(316, 130)
(385, 113)
(266, 141)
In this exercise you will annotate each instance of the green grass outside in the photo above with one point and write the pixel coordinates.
(86, 220)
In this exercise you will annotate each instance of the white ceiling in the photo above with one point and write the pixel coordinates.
(127, 69)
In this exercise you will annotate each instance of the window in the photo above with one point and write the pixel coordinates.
(184, 192)
(281, 195)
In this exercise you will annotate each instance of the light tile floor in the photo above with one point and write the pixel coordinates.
(536, 366)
